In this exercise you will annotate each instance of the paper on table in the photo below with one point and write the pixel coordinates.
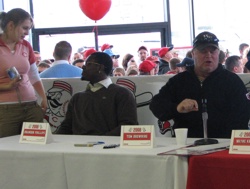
(197, 150)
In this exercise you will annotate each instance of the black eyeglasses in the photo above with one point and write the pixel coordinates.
(87, 64)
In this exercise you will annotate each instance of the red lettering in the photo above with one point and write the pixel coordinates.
(247, 134)
(33, 132)
(28, 132)
(137, 136)
(241, 141)
(35, 126)
(137, 130)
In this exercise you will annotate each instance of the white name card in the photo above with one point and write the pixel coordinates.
(36, 133)
(137, 136)
(240, 142)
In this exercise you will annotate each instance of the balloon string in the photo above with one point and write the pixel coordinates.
(95, 29)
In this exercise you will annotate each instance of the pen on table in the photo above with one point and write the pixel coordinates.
(89, 144)
(111, 146)
(219, 148)
(96, 143)
(83, 145)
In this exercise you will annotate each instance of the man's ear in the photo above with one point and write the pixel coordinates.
(69, 58)
(192, 52)
(235, 69)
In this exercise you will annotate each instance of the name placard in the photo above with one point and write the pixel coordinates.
(137, 136)
(36, 133)
(240, 142)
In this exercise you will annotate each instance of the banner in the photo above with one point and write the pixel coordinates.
(59, 92)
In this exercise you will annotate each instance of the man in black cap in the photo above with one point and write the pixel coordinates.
(103, 107)
(204, 83)
(185, 64)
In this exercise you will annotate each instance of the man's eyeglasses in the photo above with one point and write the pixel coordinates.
(87, 64)
(210, 49)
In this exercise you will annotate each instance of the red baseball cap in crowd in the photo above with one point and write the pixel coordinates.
(153, 59)
(164, 51)
(106, 46)
(146, 66)
(88, 52)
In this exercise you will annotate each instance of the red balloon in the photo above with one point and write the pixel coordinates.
(95, 9)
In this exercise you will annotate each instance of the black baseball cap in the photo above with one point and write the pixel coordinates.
(142, 47)
(205, 39)
(186, 62)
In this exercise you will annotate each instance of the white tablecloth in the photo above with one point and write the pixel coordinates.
(60, 165)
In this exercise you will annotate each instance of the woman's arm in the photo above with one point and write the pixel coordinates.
(38, 86)
(12, 84)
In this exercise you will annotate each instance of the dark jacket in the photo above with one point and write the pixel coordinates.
(227, 105)
(163, 67)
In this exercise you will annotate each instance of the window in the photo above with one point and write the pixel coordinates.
(226, 19)
(67, 13)
(181, 22)
(131, 23)
(24, 4)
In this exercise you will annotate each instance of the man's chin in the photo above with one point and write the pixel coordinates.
(84, 78)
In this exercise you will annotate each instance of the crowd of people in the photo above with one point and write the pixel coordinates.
(167, 61)
(206, 74)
